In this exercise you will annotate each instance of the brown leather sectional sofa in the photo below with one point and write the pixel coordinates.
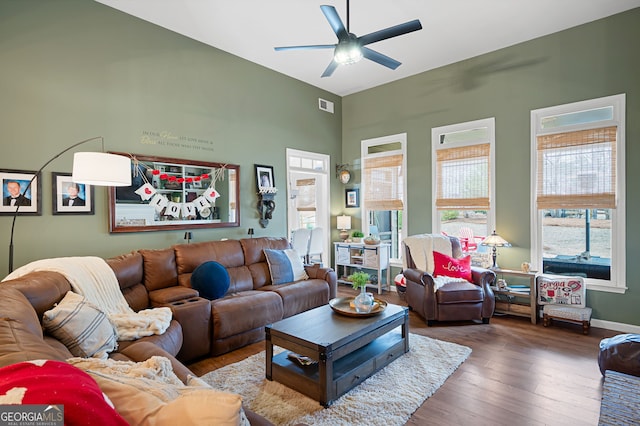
(151, 278)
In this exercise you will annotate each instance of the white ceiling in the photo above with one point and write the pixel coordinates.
(453, 30)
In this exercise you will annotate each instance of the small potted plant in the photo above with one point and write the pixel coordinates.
(357, 236)
(363, 302)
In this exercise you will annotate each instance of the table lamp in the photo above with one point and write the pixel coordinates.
(344, 225)
(494, 240)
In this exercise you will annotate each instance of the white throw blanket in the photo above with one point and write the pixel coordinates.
(422, 247)
(94, 279)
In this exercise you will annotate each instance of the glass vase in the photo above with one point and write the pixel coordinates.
(363, 302)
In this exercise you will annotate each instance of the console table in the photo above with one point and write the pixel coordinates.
(350, 257)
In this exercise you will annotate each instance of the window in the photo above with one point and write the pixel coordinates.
(383, 189)
(462, 155)
(578, 191)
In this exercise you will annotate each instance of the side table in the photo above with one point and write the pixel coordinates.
(520, 297)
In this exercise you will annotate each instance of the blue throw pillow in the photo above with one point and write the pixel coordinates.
(211, 279)
(285, 266)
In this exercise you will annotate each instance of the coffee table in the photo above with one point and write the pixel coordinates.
(348, 350)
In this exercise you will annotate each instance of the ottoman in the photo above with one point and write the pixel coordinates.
(620, 353)
(581, 316)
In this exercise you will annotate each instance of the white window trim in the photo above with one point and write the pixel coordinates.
(364, 153)
(490, 124)
(617, 283)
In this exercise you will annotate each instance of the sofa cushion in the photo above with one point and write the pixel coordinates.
(159, 268)
(285, 266)
(452, 267)
(81, 326)
(211, 279)
(247, 310)
(78, 394)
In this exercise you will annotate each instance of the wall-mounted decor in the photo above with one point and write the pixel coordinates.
(70, 197)
(352, 197)
(16, 191)
(266, 193)
(264, 178)
(169, 193)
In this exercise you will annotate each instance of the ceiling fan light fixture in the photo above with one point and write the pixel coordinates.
(348, 52)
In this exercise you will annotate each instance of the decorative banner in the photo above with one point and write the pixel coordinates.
(188, 210)
(211, 194)
(201, 203)
(159, 201)
(173, 209)
(146, 191)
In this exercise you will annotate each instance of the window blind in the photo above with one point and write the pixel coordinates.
(462, 177)
(577, 169)
(383, 182)
(306, 199)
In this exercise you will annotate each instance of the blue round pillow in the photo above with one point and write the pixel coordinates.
(211, 279)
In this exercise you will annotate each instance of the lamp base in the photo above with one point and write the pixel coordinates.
(344, 234)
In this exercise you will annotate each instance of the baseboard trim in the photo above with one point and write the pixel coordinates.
(616, 326)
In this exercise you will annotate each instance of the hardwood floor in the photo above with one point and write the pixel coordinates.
(518, 373)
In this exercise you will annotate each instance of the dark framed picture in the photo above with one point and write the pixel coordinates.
(352, 197)
(20, 191)
(70, 197)
(264, 177)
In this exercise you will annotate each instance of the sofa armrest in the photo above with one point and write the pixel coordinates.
(168, 295)
(485, 278)
(419, 277)
(315, 271)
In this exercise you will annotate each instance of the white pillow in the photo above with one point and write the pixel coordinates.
(81, 326)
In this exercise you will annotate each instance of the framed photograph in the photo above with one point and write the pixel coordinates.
(264, 176)
(18, 194)
(352, 198)
(70, 197)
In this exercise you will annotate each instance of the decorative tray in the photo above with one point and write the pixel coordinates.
(344, 306)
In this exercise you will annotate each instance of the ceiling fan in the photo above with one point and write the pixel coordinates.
(350, 48)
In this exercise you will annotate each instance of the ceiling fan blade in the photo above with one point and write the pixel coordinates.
(330, 69)
(313, 46)
(390, 32)
(335, 22)
(380, 58)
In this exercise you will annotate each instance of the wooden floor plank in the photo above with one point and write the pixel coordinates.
(517, 373)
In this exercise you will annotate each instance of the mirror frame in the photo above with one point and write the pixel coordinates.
(193, 224)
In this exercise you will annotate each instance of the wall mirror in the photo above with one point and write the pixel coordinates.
(169, 194)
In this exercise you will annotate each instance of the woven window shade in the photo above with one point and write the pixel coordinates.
(577, 169)
(383, 183)
(462, 178)
(306, 199)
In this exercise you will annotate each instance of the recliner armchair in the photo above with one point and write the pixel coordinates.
(454, 301)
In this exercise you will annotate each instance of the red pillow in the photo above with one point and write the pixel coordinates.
(451, 267)
(58, 383)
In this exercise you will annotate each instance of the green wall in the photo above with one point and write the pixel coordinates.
(590, 61)
(73, 69)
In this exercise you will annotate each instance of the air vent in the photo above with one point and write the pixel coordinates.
(325, 105)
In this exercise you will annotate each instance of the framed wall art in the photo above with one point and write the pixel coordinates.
(70, 197)
(18, 194)
(352, 197)
(264, 177)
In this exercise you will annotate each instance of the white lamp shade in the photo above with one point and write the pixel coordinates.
(344, 222)
(101, 169)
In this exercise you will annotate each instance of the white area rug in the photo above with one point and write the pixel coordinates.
(386, 398)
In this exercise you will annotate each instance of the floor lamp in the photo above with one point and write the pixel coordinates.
(92, 168)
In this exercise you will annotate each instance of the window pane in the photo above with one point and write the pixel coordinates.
(577, 242)
(580, 117)
(468, 225)
(388, 224)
